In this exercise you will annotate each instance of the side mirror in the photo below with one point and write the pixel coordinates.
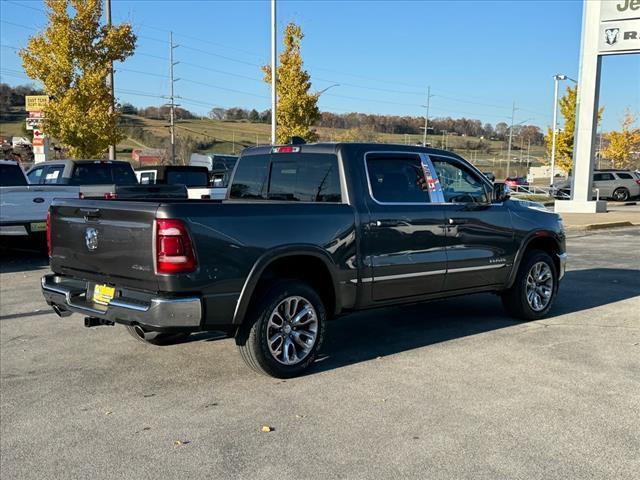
(501, 192)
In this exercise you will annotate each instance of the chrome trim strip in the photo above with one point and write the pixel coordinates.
(430, 272)
(472, 269)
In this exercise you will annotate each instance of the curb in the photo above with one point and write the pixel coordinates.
(599, 226)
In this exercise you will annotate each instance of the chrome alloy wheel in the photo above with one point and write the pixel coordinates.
(292, 330)
(539, 286)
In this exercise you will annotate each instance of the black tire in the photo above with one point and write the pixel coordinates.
(621, 194)
(155, 338)
(515, 299)
(252, 337)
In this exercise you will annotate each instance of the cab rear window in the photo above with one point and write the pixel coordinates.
(101, 173)
(11, 176)
(299, 177)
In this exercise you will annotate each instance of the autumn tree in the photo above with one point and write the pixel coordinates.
(297, 109)
(564, 137)
(71, 58)
(622, 144)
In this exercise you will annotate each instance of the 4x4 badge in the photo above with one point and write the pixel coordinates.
(91, 238)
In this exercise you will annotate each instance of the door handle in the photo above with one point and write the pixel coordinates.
(458, 221)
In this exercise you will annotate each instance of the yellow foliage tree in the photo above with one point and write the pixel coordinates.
(621, 145)
(72, 58)
(297, 109)
(564, 137)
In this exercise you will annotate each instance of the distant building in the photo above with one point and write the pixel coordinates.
(148, 156)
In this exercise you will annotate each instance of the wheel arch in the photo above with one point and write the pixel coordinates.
(544, 240)
(303, 262)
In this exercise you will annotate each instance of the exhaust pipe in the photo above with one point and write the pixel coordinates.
(60, 311)
(97, 322)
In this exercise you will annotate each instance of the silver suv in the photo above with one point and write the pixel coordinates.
(618, 185)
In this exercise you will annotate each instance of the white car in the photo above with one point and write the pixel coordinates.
(24, 207)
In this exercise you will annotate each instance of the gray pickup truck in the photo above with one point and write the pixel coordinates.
(307, 233)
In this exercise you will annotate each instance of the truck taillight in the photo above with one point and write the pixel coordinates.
(638, 182)
(285, 149)
(174, 251)
(110, 196)
(49, 245)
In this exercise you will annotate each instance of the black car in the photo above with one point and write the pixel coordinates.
(307, 234)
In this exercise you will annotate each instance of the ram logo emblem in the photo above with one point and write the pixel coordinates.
(91, 238)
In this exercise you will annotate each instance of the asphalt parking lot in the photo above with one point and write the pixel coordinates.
(451, 389)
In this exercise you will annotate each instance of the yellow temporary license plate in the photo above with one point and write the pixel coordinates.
(38, 226)
(103, 294)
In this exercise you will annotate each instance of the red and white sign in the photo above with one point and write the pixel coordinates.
(38, 134)
(38, 141)
(38, 114)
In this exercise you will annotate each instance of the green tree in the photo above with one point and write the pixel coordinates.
(622, 144)
(564, 137)
(297, 108)
(71, 58)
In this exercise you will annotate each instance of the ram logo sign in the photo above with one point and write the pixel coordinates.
(619, 37)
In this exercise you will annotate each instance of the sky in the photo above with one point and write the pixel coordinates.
(478, 57)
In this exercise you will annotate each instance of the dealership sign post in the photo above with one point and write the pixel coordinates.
(609, 27)
(35, 104)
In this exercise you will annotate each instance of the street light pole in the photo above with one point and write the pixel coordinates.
(112, 148)
(426, 118)
(274, 72)
(556, 79)
(513, 113)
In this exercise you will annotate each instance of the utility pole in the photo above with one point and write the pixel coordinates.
(274, 72)
(172, 104)
(112, 148)
(426, 118)
(513, 114)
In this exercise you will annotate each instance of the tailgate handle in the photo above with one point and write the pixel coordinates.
(90, 213)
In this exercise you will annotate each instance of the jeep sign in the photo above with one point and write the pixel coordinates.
(619, 10)
(619, 37)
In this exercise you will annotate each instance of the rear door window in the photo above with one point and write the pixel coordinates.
(602, 177)
(52, 174)
(396, 178)
(625, 176)
(300, 177)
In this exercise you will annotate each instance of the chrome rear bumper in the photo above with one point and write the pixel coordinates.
(70, 295)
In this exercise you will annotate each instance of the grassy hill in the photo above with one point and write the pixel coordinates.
(231, 137)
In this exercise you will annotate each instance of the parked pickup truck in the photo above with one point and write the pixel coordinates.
(23, 207)
(308, 232)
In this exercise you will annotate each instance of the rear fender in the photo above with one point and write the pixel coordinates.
(267, 259)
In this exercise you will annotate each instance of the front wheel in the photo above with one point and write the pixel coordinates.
(621, 195)
(284, 331)
(534, 289)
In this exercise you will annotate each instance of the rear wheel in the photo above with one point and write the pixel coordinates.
(621, 194)
(284, 331)
(534, 289)
(155, 338)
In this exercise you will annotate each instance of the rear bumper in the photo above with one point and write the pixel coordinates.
(70, 295)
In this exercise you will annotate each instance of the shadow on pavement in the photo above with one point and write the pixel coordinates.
(22, 255)
(370, 334)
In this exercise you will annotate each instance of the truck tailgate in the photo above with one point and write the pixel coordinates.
(109, 241)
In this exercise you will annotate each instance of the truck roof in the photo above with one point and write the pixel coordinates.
(334, 147)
